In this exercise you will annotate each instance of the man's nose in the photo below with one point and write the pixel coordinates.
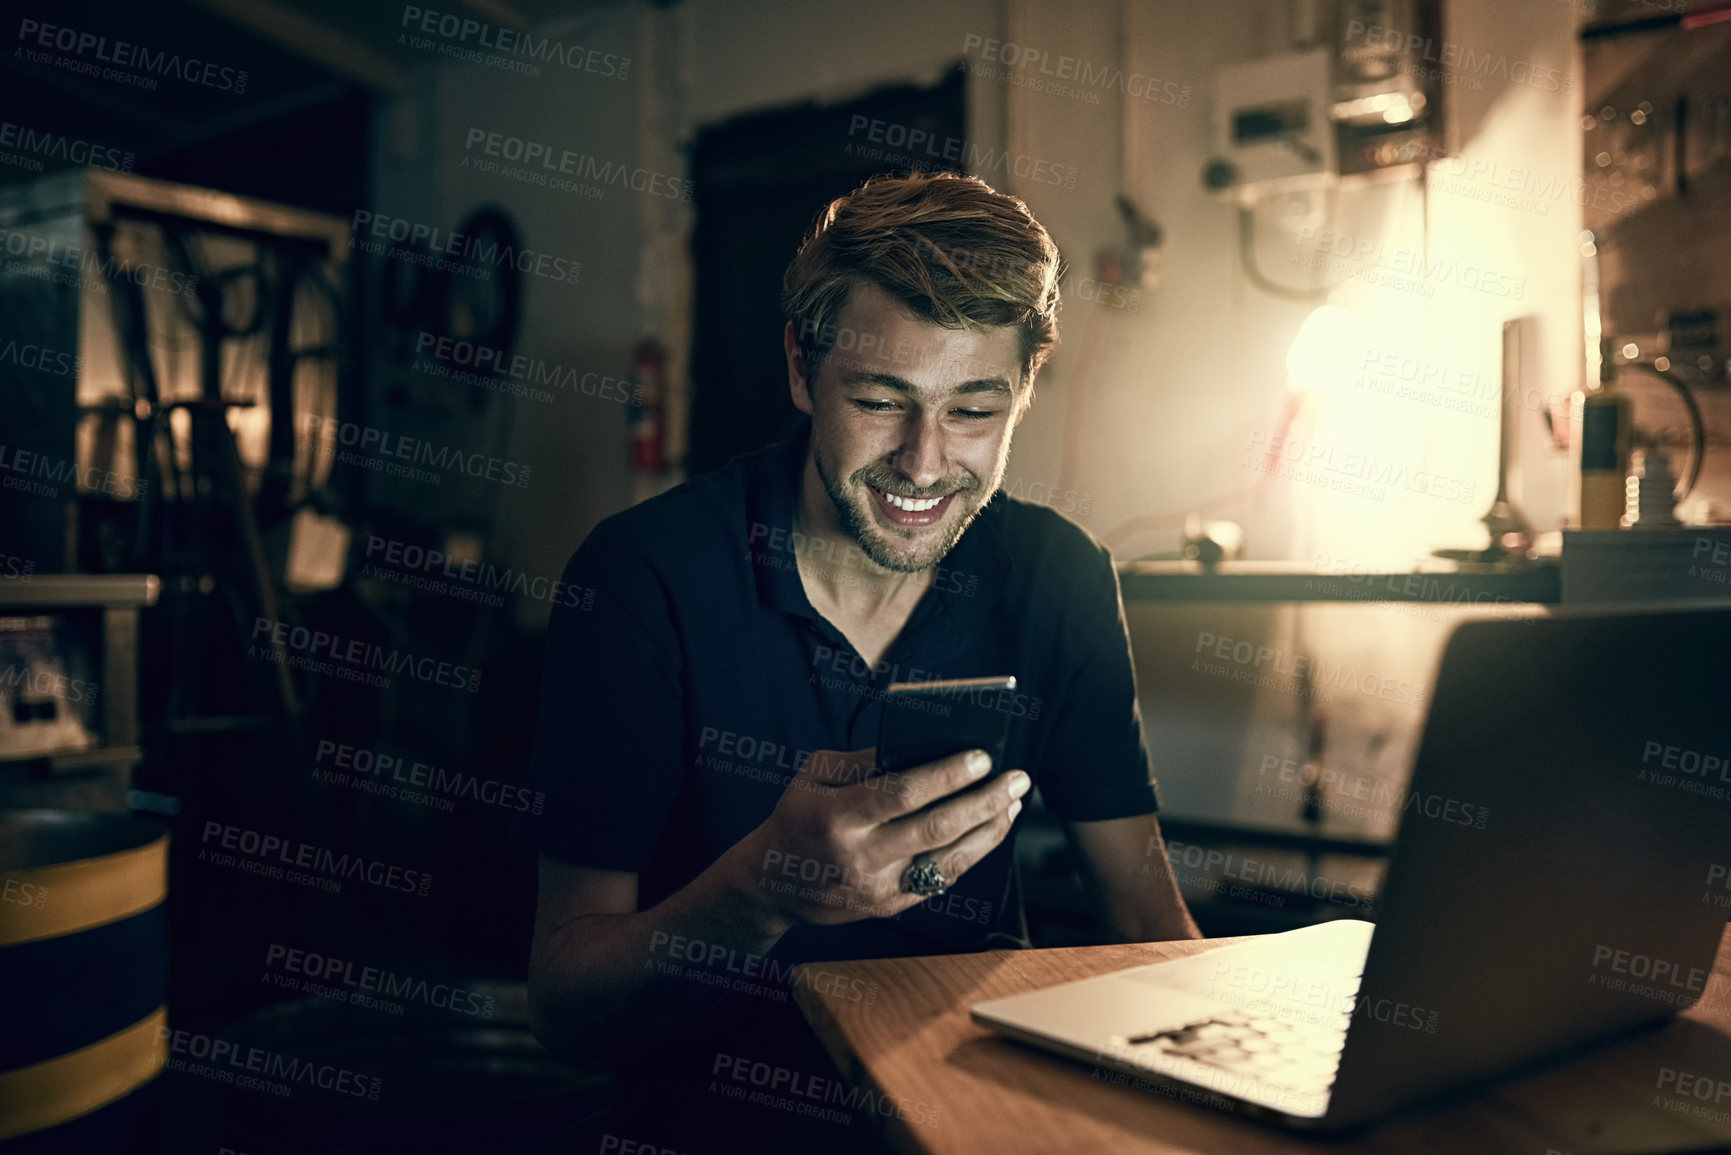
(921, 456)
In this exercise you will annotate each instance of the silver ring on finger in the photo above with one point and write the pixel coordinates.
(923, 877)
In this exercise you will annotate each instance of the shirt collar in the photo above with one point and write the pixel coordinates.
(970, 578)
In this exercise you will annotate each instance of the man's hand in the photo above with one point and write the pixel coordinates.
(839, 841)
(833, 851)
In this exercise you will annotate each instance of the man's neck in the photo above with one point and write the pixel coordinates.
(836, 569)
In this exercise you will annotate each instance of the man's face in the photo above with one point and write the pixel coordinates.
(910, 425)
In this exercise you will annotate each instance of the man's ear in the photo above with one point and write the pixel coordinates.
(798, 387)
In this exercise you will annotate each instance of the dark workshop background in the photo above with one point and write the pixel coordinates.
(248, 396)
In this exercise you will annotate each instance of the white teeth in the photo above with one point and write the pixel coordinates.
(909, 503)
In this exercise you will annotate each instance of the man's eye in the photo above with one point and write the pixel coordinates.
(889, 406)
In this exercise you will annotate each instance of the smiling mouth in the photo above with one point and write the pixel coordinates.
(910, 512)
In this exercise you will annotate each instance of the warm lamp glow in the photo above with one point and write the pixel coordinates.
(1326, 354)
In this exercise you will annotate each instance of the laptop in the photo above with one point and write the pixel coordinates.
(1551, 886)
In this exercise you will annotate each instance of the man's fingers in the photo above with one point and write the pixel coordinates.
(954, 859)
(948, 820)
(962, 855)
(901, 792)
(839, 767)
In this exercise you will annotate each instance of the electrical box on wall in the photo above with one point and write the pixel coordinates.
(1271, 122)
(1360, 101)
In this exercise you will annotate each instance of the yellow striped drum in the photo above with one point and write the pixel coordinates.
(83, 979)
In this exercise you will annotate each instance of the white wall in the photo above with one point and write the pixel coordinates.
(1181, 388)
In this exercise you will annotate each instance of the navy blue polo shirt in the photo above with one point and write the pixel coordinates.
(680, 699)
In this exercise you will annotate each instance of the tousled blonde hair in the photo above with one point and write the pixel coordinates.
(949, 247)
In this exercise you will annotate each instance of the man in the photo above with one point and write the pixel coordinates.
(707, 727)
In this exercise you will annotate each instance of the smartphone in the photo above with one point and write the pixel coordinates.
(925, 721)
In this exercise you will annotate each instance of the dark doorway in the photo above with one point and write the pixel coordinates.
(761, 181)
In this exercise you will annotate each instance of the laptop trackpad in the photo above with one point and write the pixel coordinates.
(1318, 967)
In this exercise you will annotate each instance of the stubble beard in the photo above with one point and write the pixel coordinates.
(856, 519)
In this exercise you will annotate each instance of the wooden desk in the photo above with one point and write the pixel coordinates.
(915, 1046)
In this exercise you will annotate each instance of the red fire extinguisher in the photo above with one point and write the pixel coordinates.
(644, 416)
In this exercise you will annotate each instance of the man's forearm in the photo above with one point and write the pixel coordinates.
(1132, 878)
(588, 970)
(1165, 918)
(1160, 914)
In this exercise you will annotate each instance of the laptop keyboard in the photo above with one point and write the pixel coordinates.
(1300, 1055)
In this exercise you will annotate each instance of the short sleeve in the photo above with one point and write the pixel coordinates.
(1097, 765)
(606, 765)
